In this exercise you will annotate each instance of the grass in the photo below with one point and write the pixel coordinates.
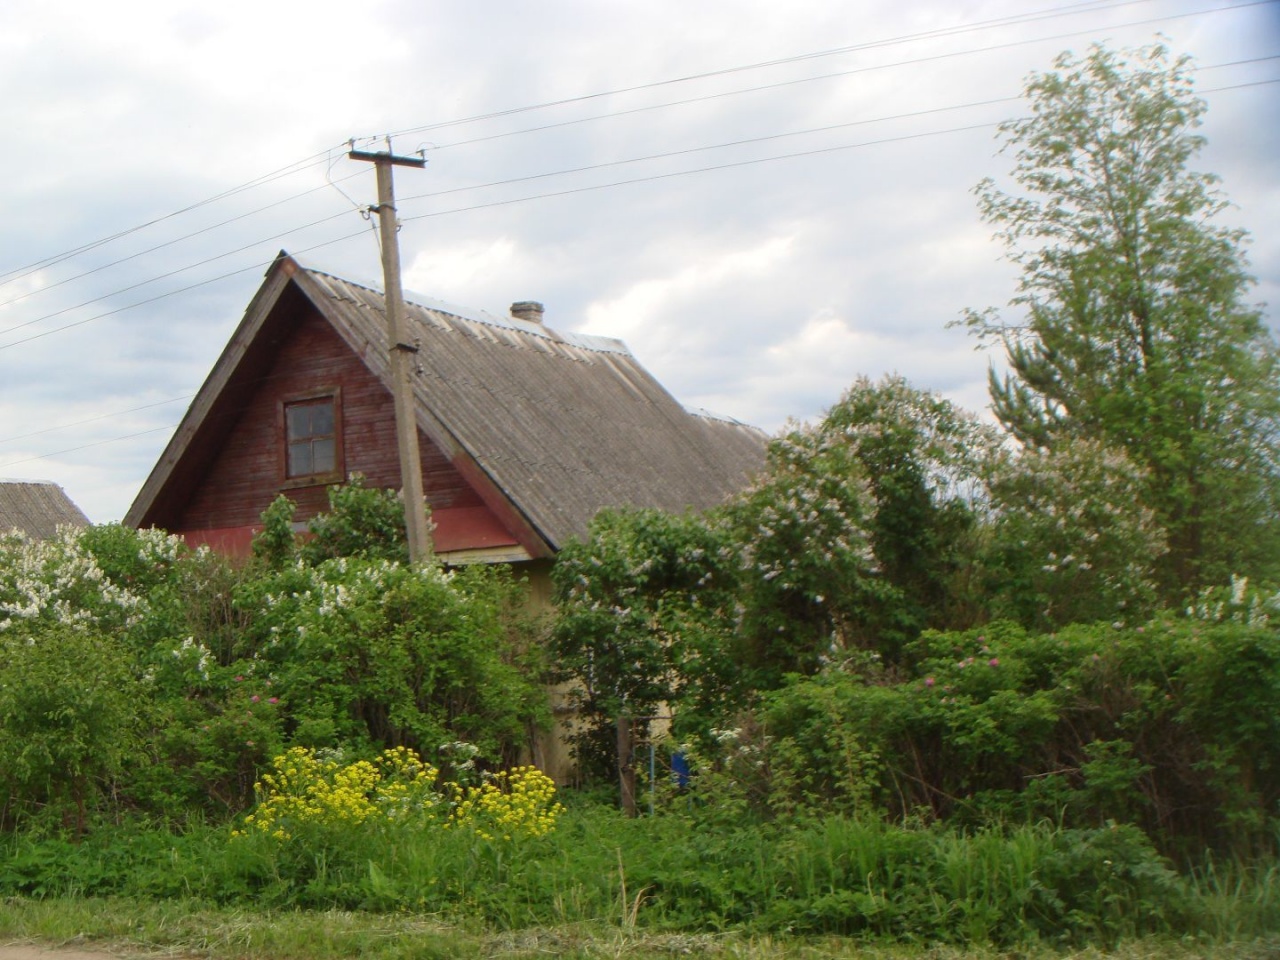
(185, 928)
(605, 886)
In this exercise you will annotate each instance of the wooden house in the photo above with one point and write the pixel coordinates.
(525, 432)
(37, 508)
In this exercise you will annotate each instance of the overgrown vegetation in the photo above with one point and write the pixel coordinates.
(923, 682)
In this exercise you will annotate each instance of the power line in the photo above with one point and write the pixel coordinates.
(751, 162)
(724, 94)
(18, 273)
(164, 276)
(541, 196)
(1053, 12)
(104, 416)
(173, 293)
(314, 159)
(567, 192)
(717, 146)
(86, 446)
(167, 243)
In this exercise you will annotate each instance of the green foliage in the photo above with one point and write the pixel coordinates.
(67, 717)
(925, 461)
(861, 530)
(218, 667)
(61, 581)
(372, 652)
(1171, 726)
(1070, 540)
(1136, 333)
(361, 522)
(644, 606)
(840, 876)
(803, 529)
(276, 544)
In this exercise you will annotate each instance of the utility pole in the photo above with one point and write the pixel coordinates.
(415, 517)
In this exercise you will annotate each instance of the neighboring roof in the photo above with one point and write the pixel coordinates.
(559, 424)
(37, 508)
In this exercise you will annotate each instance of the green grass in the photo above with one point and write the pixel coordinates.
(185, 928)
(603, 885)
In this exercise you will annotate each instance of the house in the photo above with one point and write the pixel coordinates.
(525, 432)
(37, 508)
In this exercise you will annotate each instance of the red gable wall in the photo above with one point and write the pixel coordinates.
(247, 474)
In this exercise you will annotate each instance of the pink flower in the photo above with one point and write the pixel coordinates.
(254, 698)
(273, 700)
(239, 679)
(993, 662)
(928, 681)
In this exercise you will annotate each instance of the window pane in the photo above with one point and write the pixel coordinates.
(322, 456)
(300, 460)
(298, 421)
(311, 437)
(321, 419)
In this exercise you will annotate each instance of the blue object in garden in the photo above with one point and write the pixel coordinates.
(680, 769)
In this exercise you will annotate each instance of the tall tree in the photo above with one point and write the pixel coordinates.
(1135, 330)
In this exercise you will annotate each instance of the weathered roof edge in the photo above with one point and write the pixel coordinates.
(38, 508)
(276, 279)
(584, 341)
(283, 271)
(535, 540)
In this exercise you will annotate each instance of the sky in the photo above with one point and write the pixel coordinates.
(764, 200)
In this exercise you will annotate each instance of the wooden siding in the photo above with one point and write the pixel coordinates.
(526, 431)
(248, 471)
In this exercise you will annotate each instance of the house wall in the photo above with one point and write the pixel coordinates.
(248, 472)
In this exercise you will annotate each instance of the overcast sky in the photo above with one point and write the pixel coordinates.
(765, 200)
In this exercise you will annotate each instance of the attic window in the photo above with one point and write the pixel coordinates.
(312, 440)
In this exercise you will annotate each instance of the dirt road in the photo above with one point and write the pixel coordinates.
(35, 951)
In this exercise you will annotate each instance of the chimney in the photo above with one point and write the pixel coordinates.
(530, 310)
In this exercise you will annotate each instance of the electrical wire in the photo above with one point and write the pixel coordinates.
(314, 160)
(293, 168)
(86, 446)
(744, 163)
(158, 247)
(258, 265)
(1092, 7)
(165, 276)
(324, 156)
(724, 94)
(18, 273)
(103, 416)
(541, 196)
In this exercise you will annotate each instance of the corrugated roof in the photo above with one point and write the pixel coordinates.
(557, 425)
(563, 424)
(37, 508)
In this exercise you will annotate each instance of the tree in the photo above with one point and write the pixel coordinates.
(70, 717)
(644, 605)
(1070, 540)
(859, 532)
(1136, 332)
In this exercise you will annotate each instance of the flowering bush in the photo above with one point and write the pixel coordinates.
(306, 792)
(61, 581)
(304, 789)
(1071, 539)
(509, 803)
(372, 651)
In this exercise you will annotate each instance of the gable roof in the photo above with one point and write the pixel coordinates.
(556, 425)
(37, 508)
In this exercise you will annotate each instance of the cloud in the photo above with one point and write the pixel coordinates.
(759, 289)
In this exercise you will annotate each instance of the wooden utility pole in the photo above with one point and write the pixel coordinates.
(415, 517)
